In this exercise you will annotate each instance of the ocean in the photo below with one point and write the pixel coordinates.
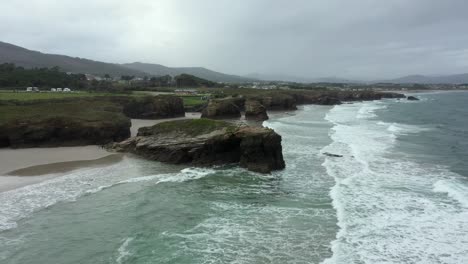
(398, 194)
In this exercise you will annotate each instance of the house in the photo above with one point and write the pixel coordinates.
(53, 89)
(67, 90)
(29, 89)
(35, 89)
(59, 89)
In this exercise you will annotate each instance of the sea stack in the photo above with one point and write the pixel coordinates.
(254, 110)
(222, 108)
(205, 142)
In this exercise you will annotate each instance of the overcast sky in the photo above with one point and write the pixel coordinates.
(359, 39)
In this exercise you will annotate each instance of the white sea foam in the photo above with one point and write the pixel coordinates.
(386, 208)
(123, 250)
(454, 189)
(22, 202)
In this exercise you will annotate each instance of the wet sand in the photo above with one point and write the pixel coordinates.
(20, 167)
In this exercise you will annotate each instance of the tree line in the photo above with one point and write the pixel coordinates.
(12, 76)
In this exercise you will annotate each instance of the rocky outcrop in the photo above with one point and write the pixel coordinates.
(412, 98)
(278, 101)
(254, 110)
(62, 124)
(152, 107)
(63, 132)
(337, 97)
(205, 142)
(222, 108)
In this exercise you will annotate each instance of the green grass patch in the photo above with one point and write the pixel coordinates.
(26, 96)
(193, 100)
(81, 109)
(190, 127)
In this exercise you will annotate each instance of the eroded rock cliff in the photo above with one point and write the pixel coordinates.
(204, 142)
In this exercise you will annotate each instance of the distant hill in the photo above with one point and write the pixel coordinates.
(444, 79)
(31, 59)
(10, 53)
(157, 69)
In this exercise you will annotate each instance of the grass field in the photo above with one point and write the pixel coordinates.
(80, 109)
(24, 96)
(192, 100)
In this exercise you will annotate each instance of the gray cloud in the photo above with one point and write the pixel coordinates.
(362, 39)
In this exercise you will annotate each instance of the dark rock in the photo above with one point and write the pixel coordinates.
(337, 97)
(278, 101)
(255, 110)
(332, 155)
(70, 129)
(63, 131)
(392, 95)
(204, 142)
(412, 98)
(152, 107)
(222, 108)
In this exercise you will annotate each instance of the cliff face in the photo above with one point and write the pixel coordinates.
(203, 142)
(255, 110)
(62, 124)
(150, 107)
(278, 101)
(337, 97)
(79, 121)
(60, 131)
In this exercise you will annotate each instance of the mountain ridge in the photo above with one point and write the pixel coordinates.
(201, 72)
(20, 56)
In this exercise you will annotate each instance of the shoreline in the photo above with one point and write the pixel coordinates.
(25, 166)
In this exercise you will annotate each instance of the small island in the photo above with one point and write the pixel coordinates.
(206, 142)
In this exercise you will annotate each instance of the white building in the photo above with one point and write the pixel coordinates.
(59, 89)
(53, 89)
(66, 90)
(29, 89)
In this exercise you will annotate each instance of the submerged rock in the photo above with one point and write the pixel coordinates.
(255, 110)
(332, 155)
(412, 98)
(204, 142)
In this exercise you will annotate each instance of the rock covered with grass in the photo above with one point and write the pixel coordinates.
(57, 123)
(205, 142)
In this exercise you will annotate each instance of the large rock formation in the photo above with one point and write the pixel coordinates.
(278, 101)
(62, 124)
(205, 142)
(412, 98)
(255, 110)
(337, 97)
(222, 108)
(151, 107)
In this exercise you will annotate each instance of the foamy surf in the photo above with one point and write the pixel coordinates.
(22, 202)
(386, 208)
(454, 189)
(123, 252)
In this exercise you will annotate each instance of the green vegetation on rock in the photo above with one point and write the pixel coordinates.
(190, 127)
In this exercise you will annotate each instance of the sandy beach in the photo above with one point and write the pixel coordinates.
(21, 167)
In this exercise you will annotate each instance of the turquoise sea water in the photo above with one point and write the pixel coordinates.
(399, 194)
